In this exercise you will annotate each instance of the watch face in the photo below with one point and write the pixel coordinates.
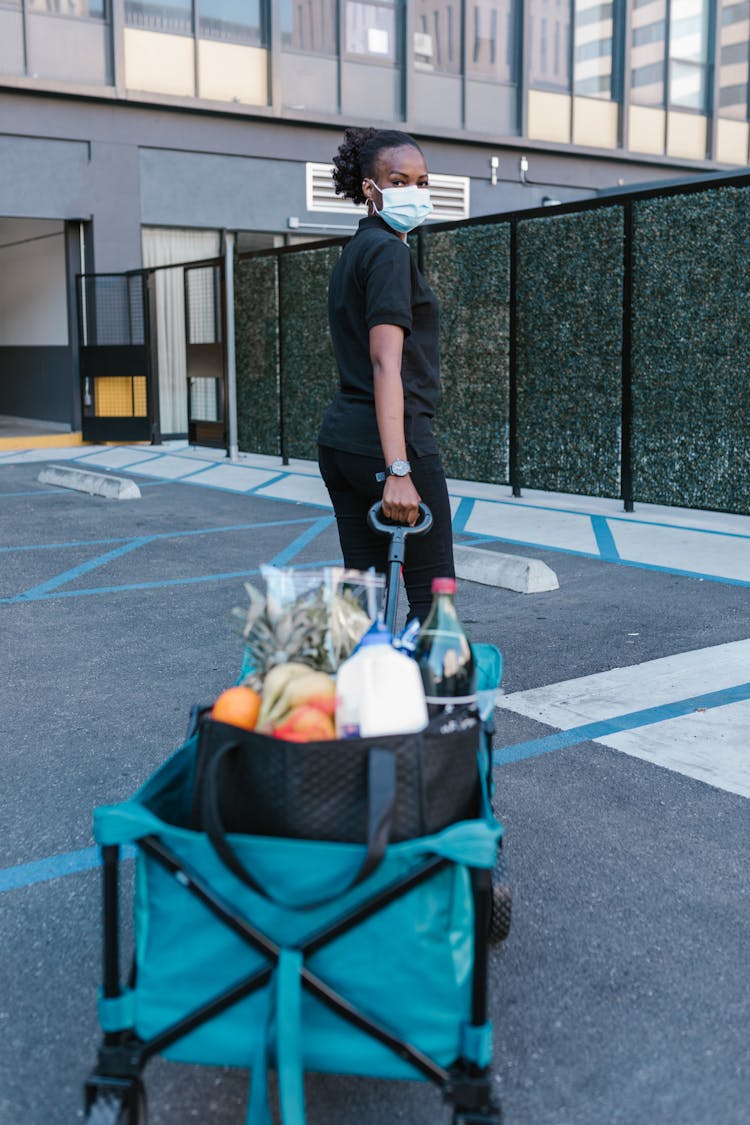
(400, 468)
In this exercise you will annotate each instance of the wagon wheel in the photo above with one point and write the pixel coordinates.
(500, 909)
(118, 1107)
(491, 1116)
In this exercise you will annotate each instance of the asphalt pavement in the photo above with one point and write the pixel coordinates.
(621, 994)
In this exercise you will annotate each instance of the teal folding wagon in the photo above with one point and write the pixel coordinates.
(386, 978)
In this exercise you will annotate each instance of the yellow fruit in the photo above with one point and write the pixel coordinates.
(274, 684)
(300, 689)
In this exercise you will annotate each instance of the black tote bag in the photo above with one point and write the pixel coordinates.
(374, 791)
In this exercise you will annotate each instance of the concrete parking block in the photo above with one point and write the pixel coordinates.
(96, 484)
(511, 572)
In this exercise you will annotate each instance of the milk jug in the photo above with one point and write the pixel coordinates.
(379, 690)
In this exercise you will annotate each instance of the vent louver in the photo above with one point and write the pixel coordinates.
(449, 194)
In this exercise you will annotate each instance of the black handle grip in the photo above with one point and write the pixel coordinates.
(399, 530)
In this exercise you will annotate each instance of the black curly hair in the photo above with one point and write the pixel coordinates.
(357, 158)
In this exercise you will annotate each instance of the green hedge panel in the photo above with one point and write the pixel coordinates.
(691, 350)
(469, 271)
(308, 370)
(257, 354)
(569, 351)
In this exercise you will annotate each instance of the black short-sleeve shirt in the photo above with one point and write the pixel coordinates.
(376, 281)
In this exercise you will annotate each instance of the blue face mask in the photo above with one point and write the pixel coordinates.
(404, 208)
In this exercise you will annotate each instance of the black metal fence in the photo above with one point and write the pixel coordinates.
(598, 348)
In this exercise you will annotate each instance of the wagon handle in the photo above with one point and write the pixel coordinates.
(398, 533)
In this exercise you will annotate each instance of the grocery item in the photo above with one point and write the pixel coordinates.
(378, 690)
(443, 653)
(303, 686)
(238, 706)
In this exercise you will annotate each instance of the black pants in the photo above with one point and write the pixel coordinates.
(350, 480)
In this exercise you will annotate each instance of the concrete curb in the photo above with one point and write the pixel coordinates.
(84, 480)
(512, 572)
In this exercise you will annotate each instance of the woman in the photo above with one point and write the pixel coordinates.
(376, 440)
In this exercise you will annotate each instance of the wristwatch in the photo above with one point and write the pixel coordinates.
(396, 468)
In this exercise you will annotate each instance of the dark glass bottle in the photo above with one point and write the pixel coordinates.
(443, 653)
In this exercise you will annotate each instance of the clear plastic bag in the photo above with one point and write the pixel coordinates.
(314, 617)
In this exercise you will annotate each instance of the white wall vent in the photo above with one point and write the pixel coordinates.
(449, 194)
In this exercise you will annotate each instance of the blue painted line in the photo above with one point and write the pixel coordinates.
(283, 558)
(55, 867)
(86, 457)
(267, 484)
(605, 540)
(161, 535)
(463, 514)
(76, 571)
(161, 584)
(477, 538)
(619, 519)
(563, 739)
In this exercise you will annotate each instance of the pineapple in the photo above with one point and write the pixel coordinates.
(280, 635)
(313, 628)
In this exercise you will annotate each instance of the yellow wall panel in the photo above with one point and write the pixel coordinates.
(163, 64)
(646, 130)
(686, 135)
(549, 116)
(595, 122)
(732, 141)
(231, 72)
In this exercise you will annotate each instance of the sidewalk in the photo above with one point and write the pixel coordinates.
(713, 546)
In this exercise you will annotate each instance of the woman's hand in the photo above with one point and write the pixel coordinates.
(400, 501)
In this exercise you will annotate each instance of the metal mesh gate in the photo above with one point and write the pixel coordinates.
(115, 362)
(206, 366)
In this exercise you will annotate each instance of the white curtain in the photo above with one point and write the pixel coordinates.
(161, 247)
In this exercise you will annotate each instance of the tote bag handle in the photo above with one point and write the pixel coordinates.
(381, 798)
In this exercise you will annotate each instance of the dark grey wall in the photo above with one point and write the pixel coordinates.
(36, 383)
(122, 164)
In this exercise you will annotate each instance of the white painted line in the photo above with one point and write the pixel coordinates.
(303, 490)
(64, 453)
(604, 695)
(235, 477)
(117, 458)
(681, 549)
(96, 484)
(528, 525)
(511, 572)
(167, 467)
(711, 746)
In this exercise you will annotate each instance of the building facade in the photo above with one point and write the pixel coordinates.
(134, 132)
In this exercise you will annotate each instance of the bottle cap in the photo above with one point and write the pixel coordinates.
(444, 585)
(377, 634)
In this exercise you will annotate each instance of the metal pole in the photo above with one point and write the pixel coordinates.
(233, 449)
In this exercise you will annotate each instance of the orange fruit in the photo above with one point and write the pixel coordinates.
(238, 706)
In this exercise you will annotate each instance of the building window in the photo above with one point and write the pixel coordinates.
(152, 15)
(80, 9)
(309, 26)
(437, 36)
(677, 33)
(234, 21)
(593, 38)
(371, 30)
(648, 52)
(491, 36)
(550, 30)
(688, 55)
(734, 59)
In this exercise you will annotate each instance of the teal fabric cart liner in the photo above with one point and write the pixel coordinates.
(408, 966)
